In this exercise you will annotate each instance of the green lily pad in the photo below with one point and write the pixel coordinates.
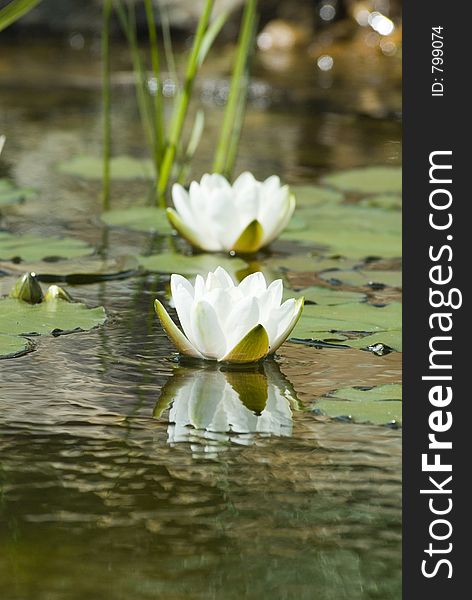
(307, 263)
(121, 167)
(360, 317)
(190, 265)
(80, 270)
(388, 201)
(315, 195)
(34, 248)
(348, 230)
(57, 317)
(378, 413)
(358, 278)
(325, 296)
(389, 391)
(139, 218)
(392, 339)
(12, 346)
(9, 194)
(381, 404)
(369, 180)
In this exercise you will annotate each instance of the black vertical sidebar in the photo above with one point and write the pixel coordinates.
(437, 131)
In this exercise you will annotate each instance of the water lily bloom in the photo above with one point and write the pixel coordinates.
(216, 216)
(227, 322)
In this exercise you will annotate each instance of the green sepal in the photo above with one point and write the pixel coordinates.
(253, 347)
(250, 240)
(27, 288)
(182, 229)
(173, 332)
(55, 292)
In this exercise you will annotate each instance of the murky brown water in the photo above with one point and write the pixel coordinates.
(98, 499)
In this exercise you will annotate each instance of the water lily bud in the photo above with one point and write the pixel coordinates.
(216, 216)
(27, 288)
(54, 292)
(226, 322)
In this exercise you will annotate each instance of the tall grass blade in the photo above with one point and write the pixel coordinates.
(182, 102)
(245, 43)
(142, 94)
(233, 147)
(167, 40)
(194, 141)
(155, 63)
(14, 11)
(211, 35)
(106, 102)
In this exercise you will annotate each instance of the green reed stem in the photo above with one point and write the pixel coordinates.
(145, 108)
(155, 62)
(106, 103)
(236, 88)
(233, 147)
(182, 103)
(167, 41)
(14, 10)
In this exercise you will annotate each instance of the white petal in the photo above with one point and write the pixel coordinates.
(182, 295)
(224, 217)
(225, 279)
(287, 215)
(287, 322)
(207, 332)
(274, 209)
(242, 318)
(199, 201)
(244, 181)
(199, 287)
(247, 206)
(178, 280)
(271, 184)
(278, 320)
(181, 201)
(253, 285)
(214, 181)
(220, 300)
(272, 298)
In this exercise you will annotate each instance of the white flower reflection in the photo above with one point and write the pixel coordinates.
(218, 406)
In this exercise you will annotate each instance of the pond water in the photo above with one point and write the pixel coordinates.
(106, 489)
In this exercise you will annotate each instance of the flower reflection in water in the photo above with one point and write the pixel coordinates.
(219, 405)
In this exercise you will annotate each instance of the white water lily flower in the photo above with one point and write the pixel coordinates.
(216, 216)
(227, 322)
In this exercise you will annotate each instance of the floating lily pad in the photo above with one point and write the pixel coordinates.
(369, 180)
(360, 317)
(358, 278)
(139, 218)
(12, 346)
(348, 230)
(388, 201)
(190, 265)
(378, 413)
(57, 317)
(9, 194)
(80, 270)
(392, 339)
(381, 404)
(34, 248)
(388, 391)
(314, 195)
(325, 296)
(121, 167)
(307, 263)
